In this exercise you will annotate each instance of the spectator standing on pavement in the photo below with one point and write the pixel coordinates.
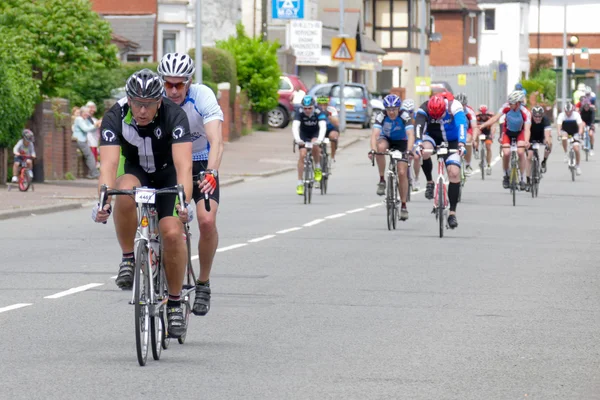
(94, 136)
(81, 127)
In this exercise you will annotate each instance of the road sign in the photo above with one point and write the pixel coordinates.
(462, 79)
(288, 9)
(343, 49)
(306, 40)
(423, 85)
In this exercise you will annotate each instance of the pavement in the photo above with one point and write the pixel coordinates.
(321, 301)
(260, 154)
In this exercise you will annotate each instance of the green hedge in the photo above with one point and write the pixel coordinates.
(222, 65)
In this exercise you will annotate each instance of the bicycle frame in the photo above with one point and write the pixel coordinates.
(392, 198)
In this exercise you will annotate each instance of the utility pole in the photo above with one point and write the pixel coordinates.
(342, 75)
(422, 46)
(264, 19)
(198, 60)
(564, 62)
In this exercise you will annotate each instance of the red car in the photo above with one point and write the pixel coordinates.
(290, 87)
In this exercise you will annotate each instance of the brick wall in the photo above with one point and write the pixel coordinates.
(236, 118)
(450, 51)
(120, 7)
(555, 41)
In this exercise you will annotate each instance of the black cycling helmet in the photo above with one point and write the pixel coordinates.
(28, 135)
(537, 111)
(144, 84)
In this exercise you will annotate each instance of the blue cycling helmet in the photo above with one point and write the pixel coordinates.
(308, 101)
(391, 101)
(518, 86)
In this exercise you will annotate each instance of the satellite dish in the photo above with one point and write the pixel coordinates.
(436, 37)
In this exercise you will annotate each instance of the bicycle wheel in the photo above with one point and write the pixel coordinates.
(157, 327)
(441, 207)
(141, 296)
(482, 163)
(572, 164)
(534, 174)
(513, 185)
(325, 172)
(24, 180)
(395, 213)
(390, 202)
(390, 214)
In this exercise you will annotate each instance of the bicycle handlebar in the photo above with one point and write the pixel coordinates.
(200, 177)
(386, 153)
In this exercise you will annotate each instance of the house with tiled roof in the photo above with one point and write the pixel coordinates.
(455, 24)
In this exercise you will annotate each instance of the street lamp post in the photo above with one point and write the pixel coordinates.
(573, 41)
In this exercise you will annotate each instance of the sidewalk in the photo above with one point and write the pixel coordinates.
(259, 154)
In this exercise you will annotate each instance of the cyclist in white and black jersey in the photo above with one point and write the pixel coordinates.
(569, 123)
(205, 117)
(154, 136)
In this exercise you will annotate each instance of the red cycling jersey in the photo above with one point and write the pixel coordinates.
(471, 116)
(525, 113)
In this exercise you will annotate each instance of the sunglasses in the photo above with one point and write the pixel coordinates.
(178, 85)
(392, 109)
(146, 104)
(308, 108)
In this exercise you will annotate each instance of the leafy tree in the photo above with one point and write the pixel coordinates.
(257, 68)
(63, 39)
(221, 68)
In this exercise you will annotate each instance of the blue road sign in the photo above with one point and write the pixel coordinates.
(288, 9)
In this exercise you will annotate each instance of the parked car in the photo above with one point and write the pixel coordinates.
(291, 90)
(357, 100)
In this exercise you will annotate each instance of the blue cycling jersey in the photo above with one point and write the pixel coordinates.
(394, 129)
(450, 127)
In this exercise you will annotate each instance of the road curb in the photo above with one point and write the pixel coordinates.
(230, 182)
(25, 212)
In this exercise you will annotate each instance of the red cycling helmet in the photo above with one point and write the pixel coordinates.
(436, 106)
(483, 108)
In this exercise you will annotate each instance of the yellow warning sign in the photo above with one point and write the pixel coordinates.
(423, 85)
(343, 49)
(462, 79)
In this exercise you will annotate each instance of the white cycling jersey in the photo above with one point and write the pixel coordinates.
(201, 106)
(563, 117)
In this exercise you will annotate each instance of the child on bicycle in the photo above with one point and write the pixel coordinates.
(24, 147)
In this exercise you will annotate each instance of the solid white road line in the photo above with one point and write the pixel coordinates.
(73, 290)
(260, 239)
(314, 222)
(374, 205)
(233, 246)
(14, 307)
(289, 230)
(334, 216)
(114, 277)
(355, 210)
(193, 258)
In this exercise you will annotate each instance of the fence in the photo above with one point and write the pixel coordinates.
(483, 84)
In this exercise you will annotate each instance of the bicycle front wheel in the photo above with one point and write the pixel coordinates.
(24, 180)
(482, 164)
(441, 206)
(513, 185)
(141, 297)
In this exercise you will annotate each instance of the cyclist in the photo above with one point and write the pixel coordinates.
(154, 136)
(441, 120)
(517, 125)
(394, 130)
(472, 131)
(588, 115)
(333, 123)
(520, 87)
(205, 118)
(483, 116)
(409, 106)
(541, 132)
(310, 125)
(24, 147)
(569, 123)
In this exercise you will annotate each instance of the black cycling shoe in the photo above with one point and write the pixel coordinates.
(543, 166)
(125, 277)
(522, 185)
(429, 190)
(202, 300)
(528, 185)
(176, 321)
(505, 182)
(452, 221)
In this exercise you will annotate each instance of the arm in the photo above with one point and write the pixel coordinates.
(84, 125)
(377, 127)
(580, 123)
(212, 115)
(559, 122)
(182, 159)
(110, 147)
(410, 132)
(17, 147)
(491, 121)
(420, 124)
(215, 139)
(475, 127)
(322, 130)
(32, 148)
(296, 130)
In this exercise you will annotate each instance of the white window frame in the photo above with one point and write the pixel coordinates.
(168, 32)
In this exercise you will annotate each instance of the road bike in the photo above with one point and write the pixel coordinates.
(587, 143)
(308, 177)
(514, 170)
(571, 160)
(392, 197)
(325, 166)
(25, 178)
(482, 155)
(536, 170)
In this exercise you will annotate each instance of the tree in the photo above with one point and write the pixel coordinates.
(257, 68)
(65, 38)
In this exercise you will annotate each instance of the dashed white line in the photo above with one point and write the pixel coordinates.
(334, 216)
(374, 205)
(355, 210)
(192, 258)
(233, 246)
(73, 290)
(260, 239)
(314, 222)
(289, 230)
(14, 307)
(114, 277)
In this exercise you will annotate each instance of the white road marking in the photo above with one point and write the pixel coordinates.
(260, 239)
(314, 222)
(73, 290)
(289, 230)
(14, 307)
(114, 277)
(193, 258)
(374, 205)
(355, 210)
(233, 246)
(335, 216)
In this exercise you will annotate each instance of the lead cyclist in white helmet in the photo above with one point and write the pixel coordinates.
(205, 118)
(409, 105)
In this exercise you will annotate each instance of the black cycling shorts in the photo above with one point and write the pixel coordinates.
(166, 177)
(200, 166)
(399, 145)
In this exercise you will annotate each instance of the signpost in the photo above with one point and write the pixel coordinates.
(306, 40)
(423, 85)
(288, 9)
(343, 49)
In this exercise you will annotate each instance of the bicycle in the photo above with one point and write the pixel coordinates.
(309, 172)
(25, 179)
(586, 143)
(463, 177)
(392, 198)
(440, 193)
(514, 170)
(150, 292)
(536, 170)
(410, 173)
(325, 166)
(482, 155)
(571, 156)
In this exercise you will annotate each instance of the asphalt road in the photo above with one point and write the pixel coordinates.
(504, 307)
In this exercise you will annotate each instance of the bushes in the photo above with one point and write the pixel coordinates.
(221, 64)
(543, 82)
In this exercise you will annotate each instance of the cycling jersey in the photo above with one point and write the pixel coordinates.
(309, 124)
(21, 149)
(515, 121)
(482, 119)
(588, 116)
(147, 146)
(450, 127)
(538, 131)
(201, 107)
(569, 123)
(393, 129)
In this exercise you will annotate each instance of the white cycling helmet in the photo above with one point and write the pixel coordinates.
(176, 65)
(408, 105)
(516, 96)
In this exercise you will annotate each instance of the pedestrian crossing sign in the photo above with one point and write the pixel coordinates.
(343, 49)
